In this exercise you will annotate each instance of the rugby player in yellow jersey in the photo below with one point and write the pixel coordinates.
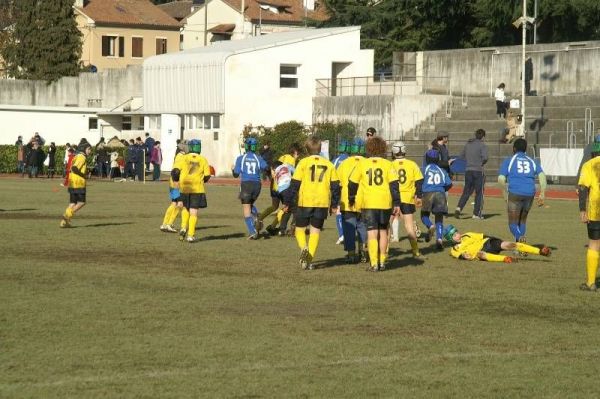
(291, 159)
(378, 180)
(191, 178)
(410, 179)
(77, 182)
(175, 196)
(478, 246)
(317, 185)
(589, 208)
(352, 223)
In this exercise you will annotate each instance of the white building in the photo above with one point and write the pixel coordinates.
(212, 92)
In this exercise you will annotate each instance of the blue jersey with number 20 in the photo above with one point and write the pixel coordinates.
(249, 166)
(520, 171)
(435, 179)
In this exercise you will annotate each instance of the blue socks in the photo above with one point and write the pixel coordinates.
(514, 229)
(439, 229)
(426, 221)
(250, 225)
(254, 210)
(338, 224)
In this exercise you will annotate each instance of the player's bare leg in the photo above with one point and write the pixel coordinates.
(409, 226)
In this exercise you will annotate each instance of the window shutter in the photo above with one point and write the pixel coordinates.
(105, 46)
(121, 46)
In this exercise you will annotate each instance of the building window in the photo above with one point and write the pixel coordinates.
(137, 47)
(216, 122)
(154, 122)
(126, 123)
(121, 46)
(92, 123)
(288, 76)
(109, 46)
(161, 45)
(216, 136)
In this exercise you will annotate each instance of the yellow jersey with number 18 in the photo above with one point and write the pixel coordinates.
(373, 176)
(590, 178)
(315, 175)
(408, 173)
(191, 178)
(76, 181)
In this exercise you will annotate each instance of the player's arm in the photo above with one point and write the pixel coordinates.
(237, 169)
(206, 172)
(353, 181)
(76, 169)
(543, 183)
(584, 193)
(502, 183)
(291, 192)
(447, 177)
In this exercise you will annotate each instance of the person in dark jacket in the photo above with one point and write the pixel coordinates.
(440, 144)
(51, 160)
(148, 146)
(140, 158)
(101, 159)
(475, 153)
(33, 159)
(130, 160)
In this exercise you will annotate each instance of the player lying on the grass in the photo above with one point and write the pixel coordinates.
(250, 166)
(194, 173)
(478, 246)
(77, 182)
(291, 159)
(376, 177)
(282, 177)
(343, 150)
(435, 184)
(520, 171)
(352, 223)
(175, 195)
(589, 209)
(316, 183)
(410, 180)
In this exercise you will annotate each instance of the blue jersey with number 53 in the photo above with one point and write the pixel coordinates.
(249, 166)
(520, 171)
(435, 179)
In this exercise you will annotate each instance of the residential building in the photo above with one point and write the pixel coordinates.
(219, 20)
(212, 92)
(117, 33)
(180, 9)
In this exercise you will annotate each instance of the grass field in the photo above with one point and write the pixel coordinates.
(115, 308)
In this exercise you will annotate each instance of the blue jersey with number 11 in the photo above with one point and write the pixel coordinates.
(249, 166)
(435, 179)
(520, 171)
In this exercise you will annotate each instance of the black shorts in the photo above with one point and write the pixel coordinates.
(493, 246)
(407, 209)
(76, 195)
(311, 216)
(435, 202)
(593, 228)
(519, 203)
(249, 191)
(376, 219)
(194, 201)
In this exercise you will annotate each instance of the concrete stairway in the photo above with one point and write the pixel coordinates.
(549, 122)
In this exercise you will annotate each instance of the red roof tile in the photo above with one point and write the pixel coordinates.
(293, 10)
(222, 28)
(178, 9)
(128, 12)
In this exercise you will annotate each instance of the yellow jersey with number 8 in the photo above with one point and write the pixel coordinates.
(408, 173)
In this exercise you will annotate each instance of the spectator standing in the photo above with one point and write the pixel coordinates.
(267, 154)
(156, 160)
(33, 159)
(500, 101)
(20, 154)
(66, 160)
(371, 132)
(440, 144)
(149, 145)
(475, 153)
(41, 160)
(51, 160)
(140, 158)
(101, 158)
(130, 160)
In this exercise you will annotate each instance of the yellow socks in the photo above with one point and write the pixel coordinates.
(592, 258)
(168, 213)
(300, 234)
(313, 243)
(522, 247)
(373, 246)
(185, 217)
(68, 213)
(192, 225)
(494, 258)
(414, 246)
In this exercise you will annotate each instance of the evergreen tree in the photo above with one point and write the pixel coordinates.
(45, 43)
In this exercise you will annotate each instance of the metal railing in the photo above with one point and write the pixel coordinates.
(393, 85)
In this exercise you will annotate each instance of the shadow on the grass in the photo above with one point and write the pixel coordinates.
(465, 217)
(101, 225)
(216, 226)
(223, 237)
(18, 210)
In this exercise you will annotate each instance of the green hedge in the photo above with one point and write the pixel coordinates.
(8, 157)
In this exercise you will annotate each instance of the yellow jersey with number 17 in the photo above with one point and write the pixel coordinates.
(179, 163)
(408, 173)
(315, 175)
(191, 178)
(373, 176)
(590, 178)
(344, 171)
(76, 181)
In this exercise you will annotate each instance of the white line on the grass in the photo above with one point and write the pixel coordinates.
(296, 365)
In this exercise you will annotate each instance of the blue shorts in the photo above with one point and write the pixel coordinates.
(172, 193)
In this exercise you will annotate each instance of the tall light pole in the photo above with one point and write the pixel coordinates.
(522, 21)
